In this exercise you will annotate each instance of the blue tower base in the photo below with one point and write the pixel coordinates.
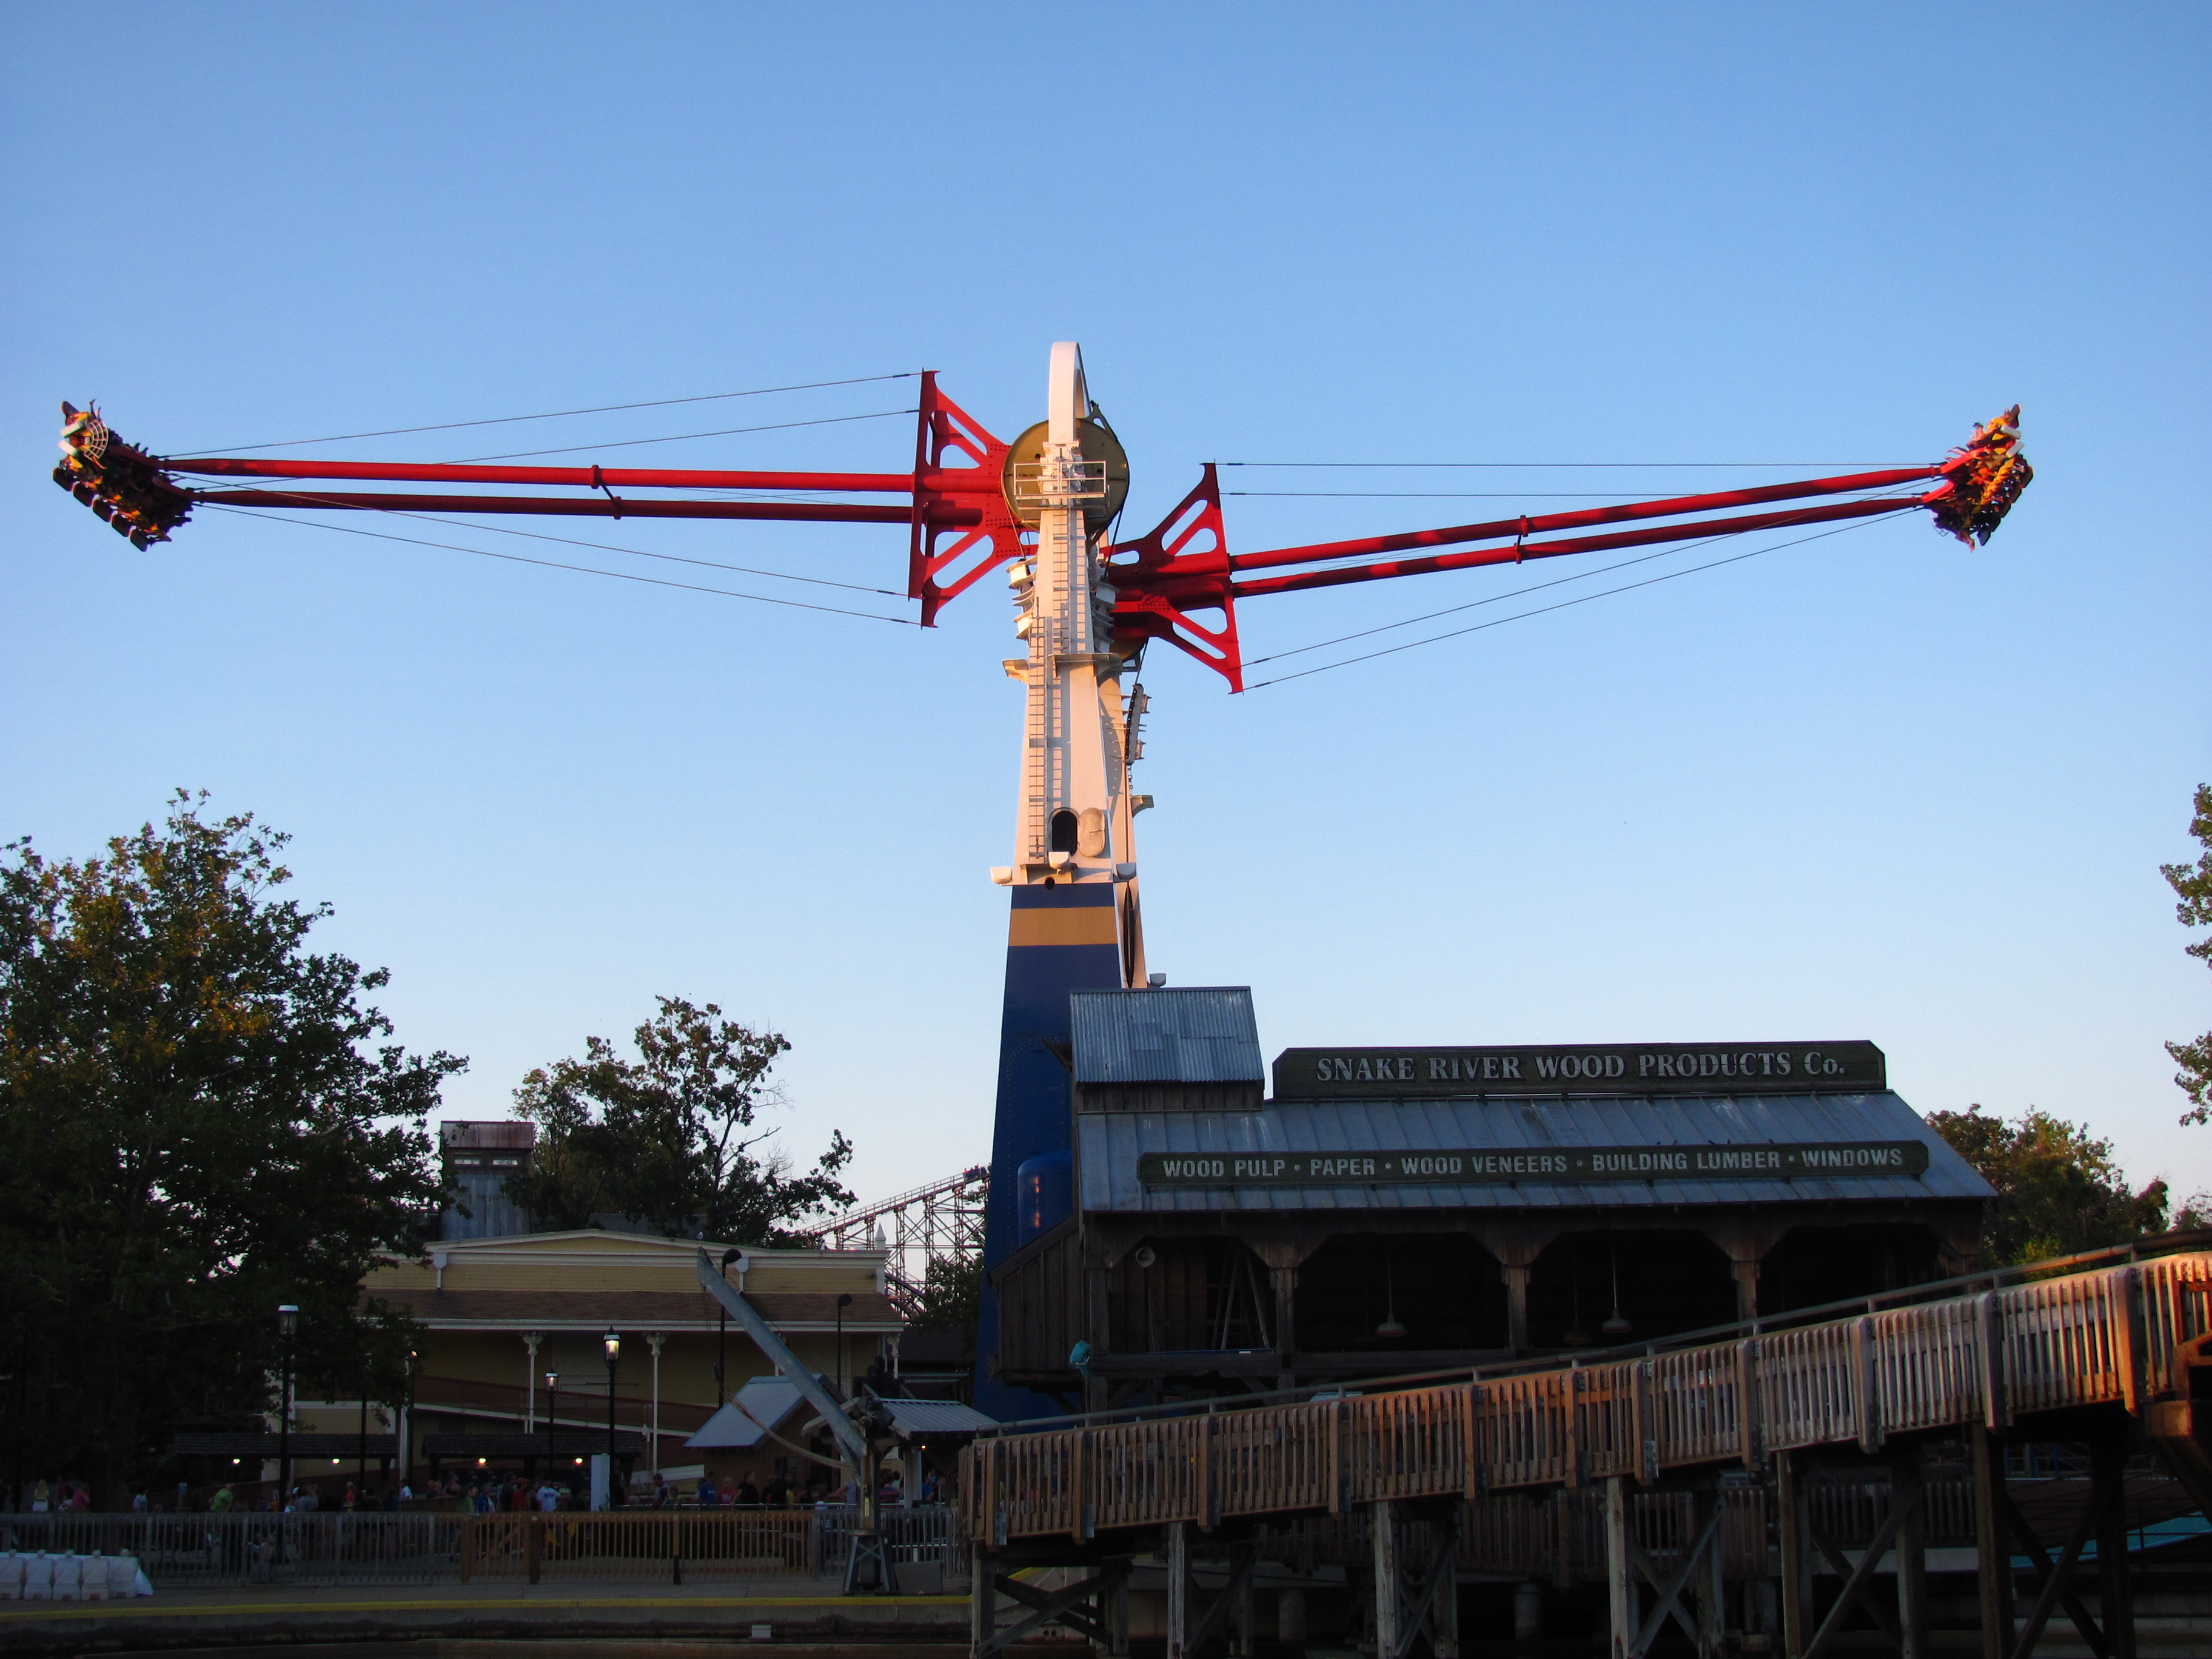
(1059, 939)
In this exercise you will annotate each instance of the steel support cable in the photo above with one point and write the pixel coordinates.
(1476, 605)
(1563, 605)
(581, 569)
(564, 541)
(677, 438)
(559, 414)
(1533, 587)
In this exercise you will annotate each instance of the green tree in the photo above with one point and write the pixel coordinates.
(951, 1296)
(2192, 885)
(199, 1119)
(2058, 1188)
(669, 1139)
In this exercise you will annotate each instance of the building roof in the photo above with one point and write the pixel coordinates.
(936, 1418)
(1191, 1034)
(868, 1313)
(761, 1405)
(1111, 1144)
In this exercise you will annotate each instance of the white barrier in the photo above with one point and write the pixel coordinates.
(29, 1576)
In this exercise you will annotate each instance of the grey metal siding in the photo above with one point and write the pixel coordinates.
(1111, 1143)
(1195, 1034)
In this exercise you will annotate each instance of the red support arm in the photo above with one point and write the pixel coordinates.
(960, 526)
(585, 477)
(1515, 552)
(577, 507)
(1545, 523)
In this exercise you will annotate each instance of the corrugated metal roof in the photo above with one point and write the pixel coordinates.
(928, 1417)
(1111, 1143)
(1185, 1034)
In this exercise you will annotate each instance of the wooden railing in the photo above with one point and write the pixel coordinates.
(692, 1544)
(2106, 1336)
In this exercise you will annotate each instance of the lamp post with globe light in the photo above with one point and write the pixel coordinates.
(613, 1345)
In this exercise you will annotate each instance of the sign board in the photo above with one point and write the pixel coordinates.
(1605, 1068)
(1532, 1166)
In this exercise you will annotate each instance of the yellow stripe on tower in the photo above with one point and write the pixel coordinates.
(1094, 924)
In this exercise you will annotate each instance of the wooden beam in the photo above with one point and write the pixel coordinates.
(1620, 1572)
(1790, 1500)
(1992, 1546)
(1907, 1489)
(2116, 1609)
(1178, 1589)
(1389, 1589)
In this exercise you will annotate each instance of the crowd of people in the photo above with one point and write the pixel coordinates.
(485, 1493)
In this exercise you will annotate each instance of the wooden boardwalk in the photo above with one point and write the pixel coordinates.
(2113, 1343)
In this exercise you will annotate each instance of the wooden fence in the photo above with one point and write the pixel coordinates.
(2082, 1338)
(688, 1545)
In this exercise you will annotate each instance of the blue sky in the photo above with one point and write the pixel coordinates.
(1873, 785)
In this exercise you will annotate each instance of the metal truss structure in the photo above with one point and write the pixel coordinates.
(940, 1221)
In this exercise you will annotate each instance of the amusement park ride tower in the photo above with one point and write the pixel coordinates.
(1041, 508)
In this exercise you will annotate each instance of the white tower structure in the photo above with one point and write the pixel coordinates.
(1075, 818)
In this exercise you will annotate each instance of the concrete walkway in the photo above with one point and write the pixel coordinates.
(799, 1612)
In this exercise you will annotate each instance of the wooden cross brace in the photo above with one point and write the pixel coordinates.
(2056, 1590)
(1439, 1577)
(1858, 1582)
(1063, 1606)
(1670, 1589)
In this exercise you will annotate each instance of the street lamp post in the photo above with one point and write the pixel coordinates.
(406, 1447)
(613, 1345)
(844, 1301)
(552, 1421)
(360, 1439)
(287, 1326)
(721, 1338)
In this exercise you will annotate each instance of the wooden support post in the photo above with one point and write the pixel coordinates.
(1746, 1288)
(1117, 1619)
(1284, 1283)
(1866, 1386)
(2115, 1611)
(533, 1548)
(1620, 1572)
(1906, 1488)
(1242, 1560)
(1712, 1618)
(983, 1603)
(1516, 1306)
(1790, 1499)
(1291, 1618)
(1178, 1589)
(1992, 1546)
(1443, 1617)
(1099, 1330)
(1389, 1578)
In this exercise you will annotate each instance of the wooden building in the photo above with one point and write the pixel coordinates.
(1387, 1209)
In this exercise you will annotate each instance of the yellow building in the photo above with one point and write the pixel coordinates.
(516, 1331)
